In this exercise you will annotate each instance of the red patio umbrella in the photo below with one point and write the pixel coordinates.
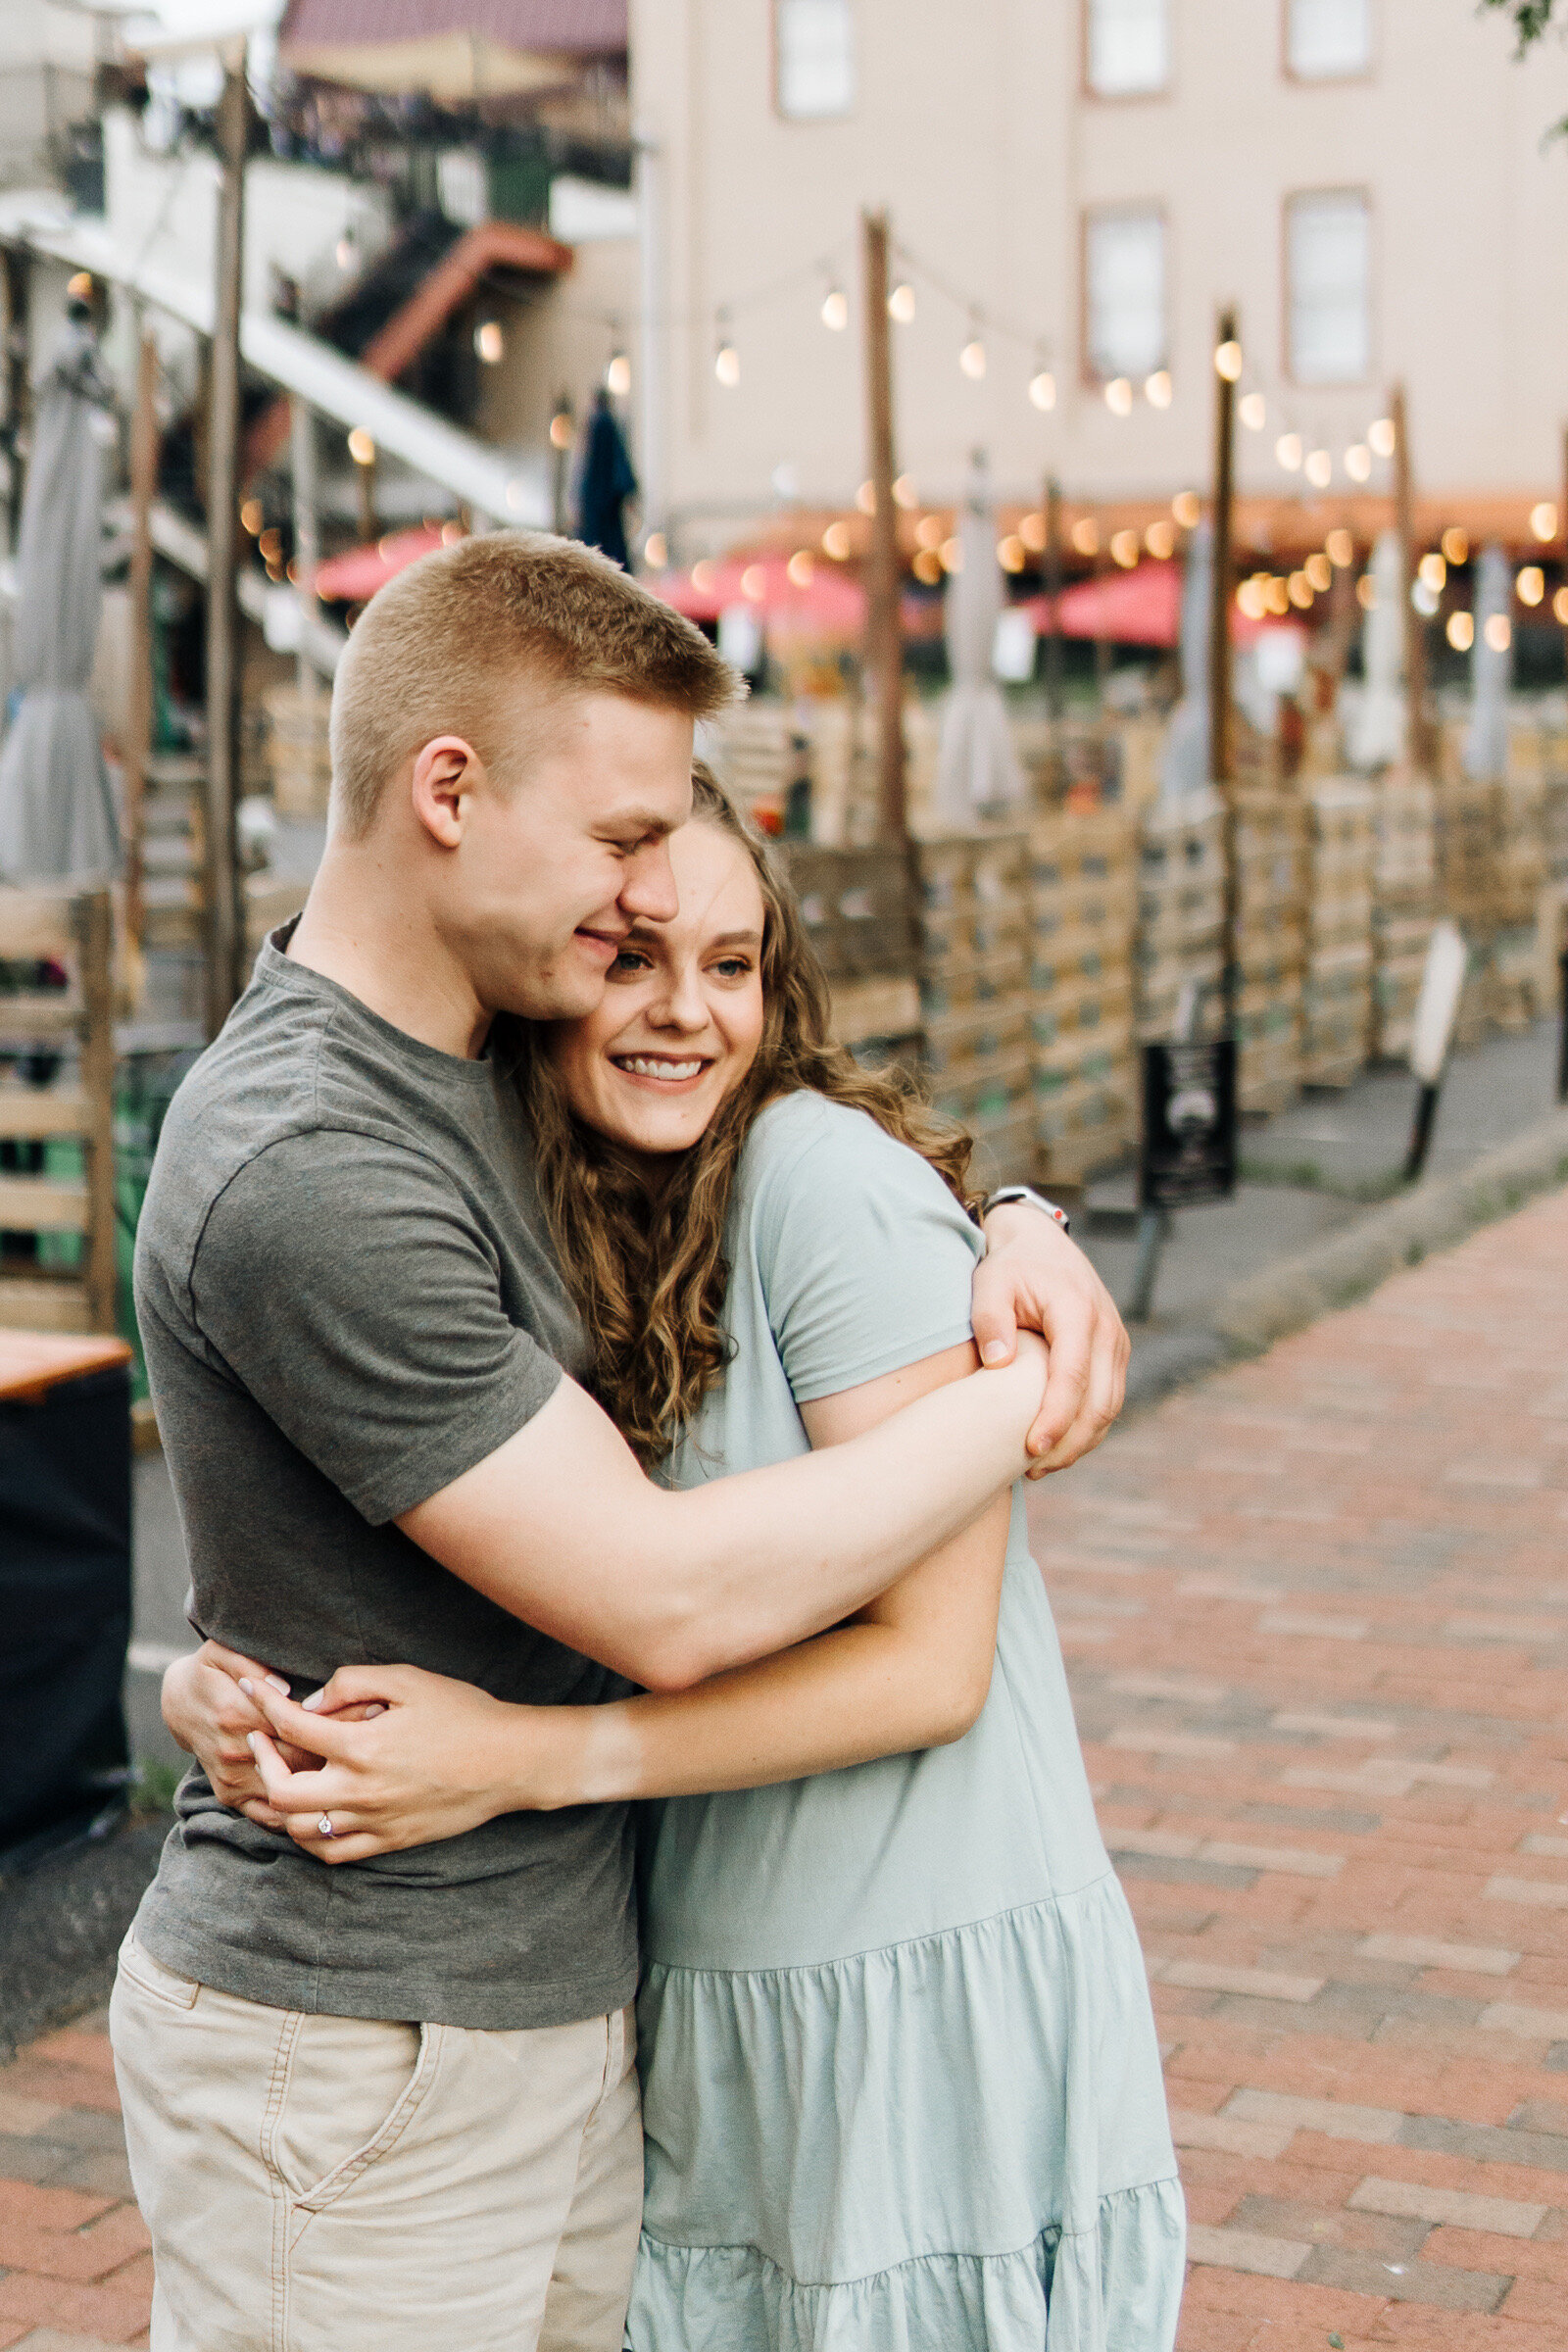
(1142, 606)
(798, 595)
(353, 577)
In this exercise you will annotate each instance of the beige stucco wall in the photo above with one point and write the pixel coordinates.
(972, 126)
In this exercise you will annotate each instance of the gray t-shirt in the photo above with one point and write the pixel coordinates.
(347, 1300)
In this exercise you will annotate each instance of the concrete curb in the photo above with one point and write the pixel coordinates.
(1434, 1215)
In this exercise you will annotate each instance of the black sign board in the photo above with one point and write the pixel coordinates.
(1189, 1150)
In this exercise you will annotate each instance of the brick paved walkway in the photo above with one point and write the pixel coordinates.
(1317, 1617)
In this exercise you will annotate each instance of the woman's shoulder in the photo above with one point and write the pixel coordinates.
(804, 1142)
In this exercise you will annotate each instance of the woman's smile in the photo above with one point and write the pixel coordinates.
(660, 1070)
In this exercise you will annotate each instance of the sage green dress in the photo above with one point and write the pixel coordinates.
(901, 2085)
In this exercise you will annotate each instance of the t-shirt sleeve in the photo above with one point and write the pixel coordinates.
(865, 1258)
(343, 1282)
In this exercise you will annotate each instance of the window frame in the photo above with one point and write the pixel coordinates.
(1086, 89)
(1328, 82)
(1291, 198)
(810, 121)
(1129, 208)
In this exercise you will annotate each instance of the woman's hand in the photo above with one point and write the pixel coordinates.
(440, 1757)
(209, 1716)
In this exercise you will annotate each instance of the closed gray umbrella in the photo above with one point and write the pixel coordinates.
(1185, 766)
(977, 768)
(57, 818)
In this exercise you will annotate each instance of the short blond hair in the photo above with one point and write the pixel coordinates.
(445, 648)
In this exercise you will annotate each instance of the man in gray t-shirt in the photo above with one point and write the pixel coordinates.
(394, 2104)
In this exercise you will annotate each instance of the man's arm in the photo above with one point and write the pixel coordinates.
(559, 1527)
(1033, 1278)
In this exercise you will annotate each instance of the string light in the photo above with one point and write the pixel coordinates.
(1424, 599)
(900, 303)
(865, 498)
(1366, 594)
(1289, 450)
(1011, 553)
(972, 359)
(489, 342)
(927, 568)
(617, 375)
(704, 575)
(1530, 586)
(1032, 532)
(1157, 388)
(835, 309)
(836, 542)
(1298, 588)
(1249, 598)
(1544, 521)
(656, 551)
(1119, 396)
(1498, 632)
(1318, 468)
(1320, 571)
(252, 515)
(1340, 548)
(727, 362)
(1043, 389)
(754, 583)
(1358, 462)
(1460, 631)
(1160, 541)
(1559, 605)
(1432, 573)
(1228, 361)
(362, 448)
(904, 493)
(930, 531)
(1124, 548)
(1457, 545)
(1381, 439)
(451, 533)
(1252, 411)
(801, 567)
(1085, 536)
(950, 556)
(1188, 508)
(560, 429)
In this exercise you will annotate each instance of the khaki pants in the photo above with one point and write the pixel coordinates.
(328, 2184)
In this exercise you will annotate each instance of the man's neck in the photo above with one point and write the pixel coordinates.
(361, 930)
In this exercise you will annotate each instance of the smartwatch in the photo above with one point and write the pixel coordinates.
(1026, 1192)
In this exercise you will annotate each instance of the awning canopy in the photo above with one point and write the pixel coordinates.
(457, 52)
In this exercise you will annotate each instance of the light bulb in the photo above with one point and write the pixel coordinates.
(1498, 632)
(705, 574)
(836, 542)
(1340, 548)
(1085, 536)
(1188, 508)
(1358, 462)
(1288, 449)
(362, 448)
(1320, 571)
(1124, 548)
(252, 515)
(617, 375)
(1160, 540)
(1462, 631)
(1455, 545)
(1298, 588)
(1250, 599)
(1318, 468)
(930, 531)
(1424, 600)
(1544, 521)
(865, 498)
(972, 359)
(1559, 605)
(1157, 388)
(904, 493)
(1011, 553)
(727, 366)
(560, 429)
(801, 567)
(1380, 437)
(1043, 389)
(835, 309)
(927, 568)
(1228, 361)
(489, 342)
(1529, 585)
(1432, 572)
(656, 551)
(1032, 532)
(1366, 594)
(900, 303)
(1119, 396)
(1253, 410)
(950, 555)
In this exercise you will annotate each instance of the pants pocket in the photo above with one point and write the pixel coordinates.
(150, 1976)
(324, 2092)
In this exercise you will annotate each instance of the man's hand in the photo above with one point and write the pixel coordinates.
(1032, 1275)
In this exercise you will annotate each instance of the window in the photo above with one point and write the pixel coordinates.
(1124, 269)
(1127, 47)
(1326, 40)
(814, 48)
(1328, 259)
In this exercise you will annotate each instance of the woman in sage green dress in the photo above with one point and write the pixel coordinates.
(900, 2085)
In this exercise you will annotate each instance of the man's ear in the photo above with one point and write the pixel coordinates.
(446, 773)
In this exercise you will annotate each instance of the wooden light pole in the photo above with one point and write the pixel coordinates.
(883, 636)
(1419, 734)
(139, 732)
(226, 937)
(1221, 734)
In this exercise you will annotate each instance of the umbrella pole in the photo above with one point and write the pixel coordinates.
(884, 644)
(225, 932)
(1417, 741)
(139, 734)
(17, 279)
(1221, 734)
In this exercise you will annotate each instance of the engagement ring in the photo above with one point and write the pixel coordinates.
(324, 1824)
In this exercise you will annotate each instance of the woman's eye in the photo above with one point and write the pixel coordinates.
(733, 967)
(628, 963)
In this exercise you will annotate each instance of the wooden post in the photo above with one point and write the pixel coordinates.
(307, 545)
(1102, 643)
(1418, 735)
(93, 920)
(884, 637)
(1221, 734)
(17, 387)
(1053, 587)
(225, 932)
(139, 732)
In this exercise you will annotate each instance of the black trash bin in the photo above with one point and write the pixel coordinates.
(64, 1586)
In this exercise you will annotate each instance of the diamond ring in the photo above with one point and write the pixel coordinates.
(324, 1824)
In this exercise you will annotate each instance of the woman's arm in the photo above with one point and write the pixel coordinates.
(210, 1711)
(910, 1670)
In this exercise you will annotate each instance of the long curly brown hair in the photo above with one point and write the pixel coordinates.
(648, 1269)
